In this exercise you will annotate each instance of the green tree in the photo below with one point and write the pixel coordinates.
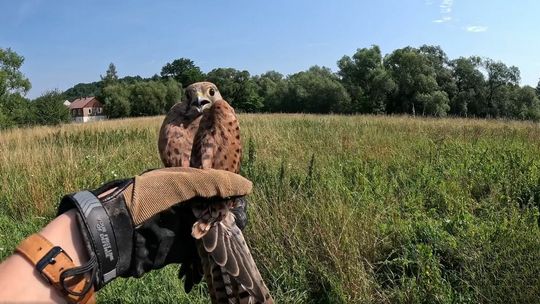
(442, 66)
(141, 98)
(238, 88)
(19, 109)
(434, 103)
(14, 108)
(153, 97)
(12, 81)
(501, 80)
(173, 94)
(366, 80)
(272, 87)
(134, 79)
(316, 90)
(5, 120)
(416, 80)
(525, 104)
(50, 109)
(116, 100)
(470, 84)
(183, 70)
(83, 90)
(111, 76)
(110, 79)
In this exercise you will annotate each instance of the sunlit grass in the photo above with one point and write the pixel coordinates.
(346, 209)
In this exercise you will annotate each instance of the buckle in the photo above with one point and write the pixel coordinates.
(49, 259)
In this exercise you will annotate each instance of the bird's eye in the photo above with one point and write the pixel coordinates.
(212, 92)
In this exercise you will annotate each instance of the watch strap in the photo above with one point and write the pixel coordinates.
(51, 261)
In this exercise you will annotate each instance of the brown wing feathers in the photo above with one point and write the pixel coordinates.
(230, 267)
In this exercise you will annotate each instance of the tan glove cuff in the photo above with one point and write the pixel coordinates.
(158, 190)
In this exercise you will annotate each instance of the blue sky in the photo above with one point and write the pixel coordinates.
(67, 42)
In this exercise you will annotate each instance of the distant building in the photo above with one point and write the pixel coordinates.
(86, 109)
(67, 103)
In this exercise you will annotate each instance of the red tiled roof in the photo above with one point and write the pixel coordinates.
(84, 103)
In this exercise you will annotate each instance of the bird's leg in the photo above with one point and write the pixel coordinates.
(208, 217)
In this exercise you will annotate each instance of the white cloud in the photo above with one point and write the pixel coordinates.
(443, 19)
(445, 9)
(476, 28)
(446, 6)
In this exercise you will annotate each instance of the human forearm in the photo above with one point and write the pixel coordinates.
(127, 228)
(22, 283)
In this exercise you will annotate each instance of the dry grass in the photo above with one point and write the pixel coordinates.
(346, 209)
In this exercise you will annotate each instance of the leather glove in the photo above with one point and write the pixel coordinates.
(144, 223)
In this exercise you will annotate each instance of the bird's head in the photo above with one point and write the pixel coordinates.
(202, 95)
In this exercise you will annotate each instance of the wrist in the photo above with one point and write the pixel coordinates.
(45, 283)
(64, 231)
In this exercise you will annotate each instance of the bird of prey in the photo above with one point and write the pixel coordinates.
(204, 132)
(182, 122)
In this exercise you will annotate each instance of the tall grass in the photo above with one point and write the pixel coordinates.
(346, 209)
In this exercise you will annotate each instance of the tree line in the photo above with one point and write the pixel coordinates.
(415, 81)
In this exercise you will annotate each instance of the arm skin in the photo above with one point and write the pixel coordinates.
(22, 283)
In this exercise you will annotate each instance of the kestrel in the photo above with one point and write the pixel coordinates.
(182, 122)
(203, 132)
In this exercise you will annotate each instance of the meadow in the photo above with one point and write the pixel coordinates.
(345, 209)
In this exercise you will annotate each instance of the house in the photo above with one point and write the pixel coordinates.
(86, 109)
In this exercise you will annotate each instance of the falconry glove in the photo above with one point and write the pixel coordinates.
(134, 225)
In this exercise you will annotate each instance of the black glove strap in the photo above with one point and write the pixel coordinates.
(99, 233)
(90, 266)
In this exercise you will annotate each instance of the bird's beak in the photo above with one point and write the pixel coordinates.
(202, 103)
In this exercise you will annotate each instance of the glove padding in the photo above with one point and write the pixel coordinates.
(144, 223)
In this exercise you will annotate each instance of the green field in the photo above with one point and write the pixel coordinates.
(346, 209)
